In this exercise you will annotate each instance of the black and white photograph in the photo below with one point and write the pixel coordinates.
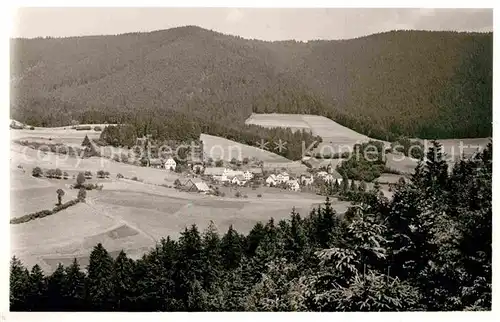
(224, 159)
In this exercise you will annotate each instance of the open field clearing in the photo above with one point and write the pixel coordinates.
(291, 121)
(56, 135)
(220, 148)
(336, 138)
(29, 158)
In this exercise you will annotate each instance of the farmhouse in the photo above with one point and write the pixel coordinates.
(195, 186)
(271, 180)
(293, 185)
(248, 175)
(283, 177)
(239, 180)
(170, 164)
(155, 163)
(306, 180)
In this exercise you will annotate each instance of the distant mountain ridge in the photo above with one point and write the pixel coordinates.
(415, 83)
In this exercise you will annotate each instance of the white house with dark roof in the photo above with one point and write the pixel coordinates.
(271, 180)
(170, 164)
(283, 177)
(239, 180)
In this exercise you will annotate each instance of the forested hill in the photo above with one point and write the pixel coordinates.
(417, 83)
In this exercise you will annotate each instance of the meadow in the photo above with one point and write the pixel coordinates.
(126, 214)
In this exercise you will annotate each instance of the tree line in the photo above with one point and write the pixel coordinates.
(428, 248)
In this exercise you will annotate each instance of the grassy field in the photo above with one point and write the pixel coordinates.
(61, 135)
(220, 148)
(335, 136)
(126, 214)
(292, 121)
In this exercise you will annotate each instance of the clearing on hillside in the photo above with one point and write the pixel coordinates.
(336, 138)
(219, 148)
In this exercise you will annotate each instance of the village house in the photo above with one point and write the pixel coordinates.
(239, 180)
(170, 164)
(306, 180)
(248, 175)
(283, 177)
(271, 180)
(155, 163)
(195, 186)
(293, 185)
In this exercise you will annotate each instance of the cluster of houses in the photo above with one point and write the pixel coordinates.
(237, 177)
(281, 179)
(294, 184)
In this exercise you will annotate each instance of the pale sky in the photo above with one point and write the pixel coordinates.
(265, 24)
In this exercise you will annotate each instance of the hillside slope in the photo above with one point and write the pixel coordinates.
(417, 83)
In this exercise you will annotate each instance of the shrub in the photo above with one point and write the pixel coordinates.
(58, 173)
(119, 176)
(37, 172)
(65, 205)
(237, 194)
(135, 179)
(51, 173)
(80, 180)
(245, 196)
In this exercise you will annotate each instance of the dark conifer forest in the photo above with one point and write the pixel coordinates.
(403, 83)
(428, 248)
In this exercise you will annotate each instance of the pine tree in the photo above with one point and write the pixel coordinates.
(327, 225)
(86, 142)
(74, 288)
(55, 289)
(296, 239)
(435, 174)
(37, 293)
(344, 185)
(254, 238)
(212, 259)
(231, 249)
(19, 285)
(99, 290)
(123, 283)
(189, 268)
(353, 187)
(336, 186)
